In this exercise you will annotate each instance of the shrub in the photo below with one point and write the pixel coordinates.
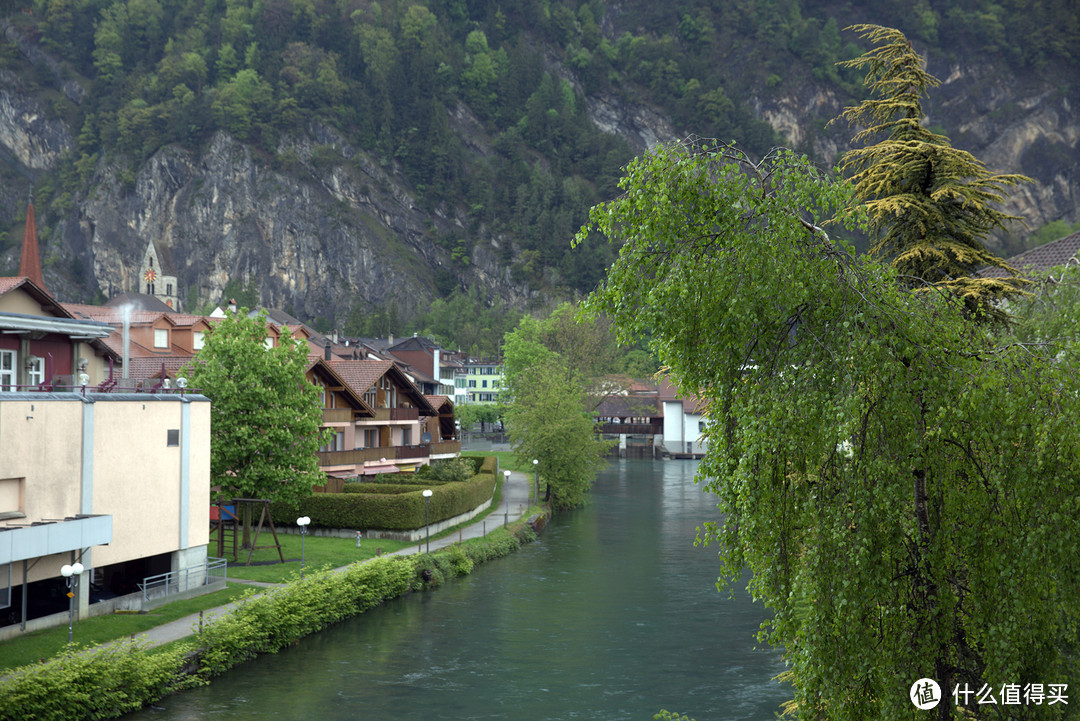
(280, 616)
(391, 507)
(104, 683)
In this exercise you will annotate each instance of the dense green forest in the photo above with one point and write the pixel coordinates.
(395, 78)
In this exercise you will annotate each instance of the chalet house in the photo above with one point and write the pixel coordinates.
(394, 439)
(440, 430)
(118, 482)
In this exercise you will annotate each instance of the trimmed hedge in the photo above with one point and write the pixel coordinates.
(401, 508)
(111, 681)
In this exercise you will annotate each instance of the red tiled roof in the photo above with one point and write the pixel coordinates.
(1041, 258)
(142, 368)
(360, 374)
(437, 402)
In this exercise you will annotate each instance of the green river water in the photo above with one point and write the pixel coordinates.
(612, 614)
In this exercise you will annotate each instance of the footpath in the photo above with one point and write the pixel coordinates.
(515, 500)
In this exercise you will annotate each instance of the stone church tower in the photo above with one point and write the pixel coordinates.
(156, 278)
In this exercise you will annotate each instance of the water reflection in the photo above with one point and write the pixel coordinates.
(612, 615)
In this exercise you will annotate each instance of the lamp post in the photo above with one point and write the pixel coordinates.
(536, 480)
(427, 517)
(303, 522)
(71, 576)
(506, 496)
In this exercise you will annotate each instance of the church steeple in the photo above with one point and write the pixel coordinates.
(30, 262)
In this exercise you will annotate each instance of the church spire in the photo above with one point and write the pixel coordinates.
(30, 262)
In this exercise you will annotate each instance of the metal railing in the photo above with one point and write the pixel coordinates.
(174, 582)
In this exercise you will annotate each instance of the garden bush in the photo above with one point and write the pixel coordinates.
(104, 683)
(390, 507)
(281, 616)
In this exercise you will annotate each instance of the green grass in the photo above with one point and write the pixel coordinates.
(46, 643)
(319, 552)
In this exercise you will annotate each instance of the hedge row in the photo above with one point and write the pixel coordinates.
(281, 616)
(111, 681)
(401, 509)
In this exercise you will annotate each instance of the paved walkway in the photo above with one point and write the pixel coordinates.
(515, 502)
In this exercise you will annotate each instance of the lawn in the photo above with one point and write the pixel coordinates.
(46, 643)
(319, 552)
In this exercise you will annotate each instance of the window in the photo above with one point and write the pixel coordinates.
(172, 437)
(168, 289)
(339, 441)
(483, 384)
(406, 436)
(472, 384)
(161, 338)
(371, 438)
(198, 339)
(369, 397)
(459, 382)
(35, 372)
(269, 342)
(7, 370)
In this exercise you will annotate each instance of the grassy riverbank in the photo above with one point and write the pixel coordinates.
(110, 681)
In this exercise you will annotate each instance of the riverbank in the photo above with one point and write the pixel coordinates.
(113, 679)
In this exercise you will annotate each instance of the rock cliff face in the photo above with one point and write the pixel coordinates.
(1013, 124)
(323, 228)
(318, 240)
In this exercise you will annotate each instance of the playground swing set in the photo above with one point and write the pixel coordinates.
(226, 522)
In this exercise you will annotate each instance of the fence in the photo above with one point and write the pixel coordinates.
(173, 583)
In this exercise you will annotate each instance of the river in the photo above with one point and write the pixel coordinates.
(612, 614)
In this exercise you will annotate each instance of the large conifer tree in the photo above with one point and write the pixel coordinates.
(930, 205)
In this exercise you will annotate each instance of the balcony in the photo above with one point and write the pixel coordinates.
(444, 447)
(397, 414)
(367, 455)
(412, 452)
(360, 455)
(337, 415)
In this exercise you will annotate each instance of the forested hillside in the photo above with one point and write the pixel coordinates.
(458, 143)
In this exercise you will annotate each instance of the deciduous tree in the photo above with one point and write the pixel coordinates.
(904, 488)
(265, 416)
(549, 415)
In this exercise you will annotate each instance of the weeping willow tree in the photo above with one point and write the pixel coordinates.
(904, 489)
(930, 205)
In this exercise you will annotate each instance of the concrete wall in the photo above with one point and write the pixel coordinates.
(158, 495)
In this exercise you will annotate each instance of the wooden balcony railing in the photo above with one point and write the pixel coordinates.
(441, 447)
(337, 415)
(410, 452)
(360, 455)
(397, 414)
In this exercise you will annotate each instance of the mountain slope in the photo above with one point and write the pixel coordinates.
(343, 155)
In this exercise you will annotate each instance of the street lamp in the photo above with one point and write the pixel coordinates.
(303, 522)
(506, 495)
(536, 480)
(71, 576)
(427, 517)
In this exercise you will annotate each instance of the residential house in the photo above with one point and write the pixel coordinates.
(391, 441)
(119, 482)
(684, 422)
(484, 381)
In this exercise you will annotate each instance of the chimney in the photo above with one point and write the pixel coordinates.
(327, 355)
(232, 305)
(390, 342)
